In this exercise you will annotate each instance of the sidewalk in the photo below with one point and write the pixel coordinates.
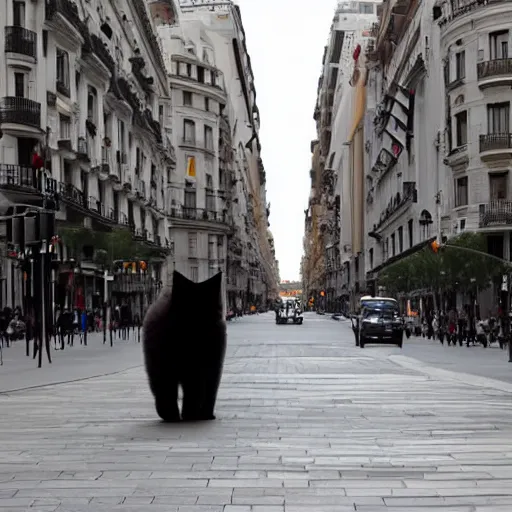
(306, 423)
(72, 363)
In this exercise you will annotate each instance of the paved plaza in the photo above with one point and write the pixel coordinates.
(306, 422)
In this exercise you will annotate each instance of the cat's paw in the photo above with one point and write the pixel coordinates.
(199, 417)
(168, 413)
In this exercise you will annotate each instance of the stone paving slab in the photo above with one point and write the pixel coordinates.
(306, 422)
(73, 363)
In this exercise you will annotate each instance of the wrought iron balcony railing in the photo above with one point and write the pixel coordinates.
(495, 141)
(98, 207)
(67, 8)
(17, 110)
(494, 68)
(26, 179)
(198, 214)
(20, 40)
(17, 176)
(497, 212)
(73, 194)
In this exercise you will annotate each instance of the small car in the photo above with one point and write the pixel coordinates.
(381, 325)
(289, 310)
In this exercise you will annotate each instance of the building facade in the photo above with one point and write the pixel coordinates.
(217, 199)
(430, 157)
(405, 175)
(84, 92)
(334, 219)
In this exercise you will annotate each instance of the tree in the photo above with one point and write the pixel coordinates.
(108, 246)
(461, 264)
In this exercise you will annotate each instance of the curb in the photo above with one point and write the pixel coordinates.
(471, 380)
(37, 386)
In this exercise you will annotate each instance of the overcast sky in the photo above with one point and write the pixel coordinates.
(285, 40)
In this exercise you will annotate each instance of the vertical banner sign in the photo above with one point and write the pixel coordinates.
(191, 166)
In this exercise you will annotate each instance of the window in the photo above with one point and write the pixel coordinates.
(208, 137)
(498, 45)
(498, 185)
(365, 8)
(211, 247)
(220, 247)
(120, 140)
(461, 128)
(19, 85)
(63, 72)
(370, 253)
(161, 111)
(462, 225)
(386, 250)
(222, 179)
(410, 232)
(143, 219)
(192, 245)
(393, 245)
(498, 118)
(91, 105)
(194, 274)
(212, 269)
(18, 13)
(400, 239)
(65, 127)
(209, 194)
(460, 65)
(210, 200)
(200, 74)
(189, 69)
(461, 191)
(187, 98)
(189, 131)
(446, 73)
(207, 104)
(190, 198)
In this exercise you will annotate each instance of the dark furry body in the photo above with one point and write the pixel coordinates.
(185, 344)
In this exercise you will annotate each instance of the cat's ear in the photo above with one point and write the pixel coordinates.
(214, 284)
(180, 282)
(212, 287)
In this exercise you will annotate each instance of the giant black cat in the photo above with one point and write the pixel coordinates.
(184, 345)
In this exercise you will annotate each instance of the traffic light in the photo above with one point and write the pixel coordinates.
(435, 245)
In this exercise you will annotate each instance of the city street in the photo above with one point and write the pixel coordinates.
(306, 422)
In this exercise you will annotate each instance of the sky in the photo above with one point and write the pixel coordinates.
(286, 39)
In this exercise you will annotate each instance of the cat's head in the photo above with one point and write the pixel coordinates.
(206, 296)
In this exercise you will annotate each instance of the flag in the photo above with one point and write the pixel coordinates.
(191, 166)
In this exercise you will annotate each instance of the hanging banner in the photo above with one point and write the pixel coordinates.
(191, 166)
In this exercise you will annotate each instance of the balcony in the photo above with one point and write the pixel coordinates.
(83, 149)
(453, 9)
(23, 184)
(186, 216)
(21, 41)
(497, 212)
(97, 206)
(495, 72)
(19, 111)
(90, 205)
(68, 10)
(495, 146)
